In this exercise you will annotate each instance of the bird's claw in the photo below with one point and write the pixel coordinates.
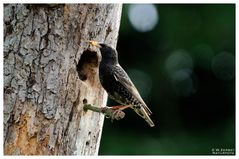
(113, 113)
(117, 114)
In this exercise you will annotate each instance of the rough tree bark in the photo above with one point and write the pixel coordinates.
(49, 70)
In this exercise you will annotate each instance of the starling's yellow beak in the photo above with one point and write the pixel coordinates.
(94, 43)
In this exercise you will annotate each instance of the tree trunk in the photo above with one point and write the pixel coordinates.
(50, 72)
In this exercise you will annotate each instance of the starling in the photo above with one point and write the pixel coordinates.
(117, 83)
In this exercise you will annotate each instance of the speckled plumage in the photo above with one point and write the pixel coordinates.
(118, 85)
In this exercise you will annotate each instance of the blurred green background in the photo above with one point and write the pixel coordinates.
(182, 60)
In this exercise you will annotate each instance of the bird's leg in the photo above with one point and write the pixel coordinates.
(108, 111)
(120, 107)
(116, 113)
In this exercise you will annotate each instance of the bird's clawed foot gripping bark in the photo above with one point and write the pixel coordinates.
(115, 112)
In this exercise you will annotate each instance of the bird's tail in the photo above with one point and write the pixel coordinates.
(143, 113)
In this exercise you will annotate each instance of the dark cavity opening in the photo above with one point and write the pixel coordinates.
(86, 65)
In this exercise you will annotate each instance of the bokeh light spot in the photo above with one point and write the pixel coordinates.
(178, 60)
(179, 66)
(183, 83)
(223, 66)
(143, 17)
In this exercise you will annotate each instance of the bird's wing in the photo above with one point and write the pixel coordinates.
(123, 78)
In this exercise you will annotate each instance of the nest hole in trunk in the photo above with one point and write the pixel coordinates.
(87, 66)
